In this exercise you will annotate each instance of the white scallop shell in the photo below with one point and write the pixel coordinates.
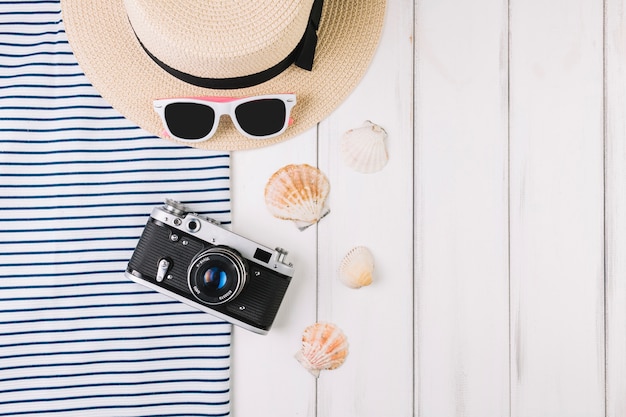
(324, 347)
(298, 193)
(363, 149)
(357, 268)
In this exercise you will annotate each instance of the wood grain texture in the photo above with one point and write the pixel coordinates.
(373, 210)
(461, 208)
(556, 177)
(615, 90)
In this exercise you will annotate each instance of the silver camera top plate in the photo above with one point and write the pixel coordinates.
(212, 232)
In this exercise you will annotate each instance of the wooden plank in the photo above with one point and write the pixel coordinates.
(461, 208)
(556, 177)
(266, 380)
(374, 210)
(615, 83)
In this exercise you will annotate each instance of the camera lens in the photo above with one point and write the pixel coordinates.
(215, 278)
(217, 275)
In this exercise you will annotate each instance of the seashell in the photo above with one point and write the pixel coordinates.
(363, 149)
(324, 347)
(298, 193)
(357, 267)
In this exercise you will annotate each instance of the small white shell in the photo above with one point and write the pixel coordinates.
(324, 347)
(363, 149)
(357, 268)
(298, 193)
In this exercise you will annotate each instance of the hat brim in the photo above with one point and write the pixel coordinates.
(111, 57)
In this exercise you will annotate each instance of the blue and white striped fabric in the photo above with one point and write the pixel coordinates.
(77, 183)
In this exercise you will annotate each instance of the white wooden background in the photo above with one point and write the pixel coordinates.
(498, 226)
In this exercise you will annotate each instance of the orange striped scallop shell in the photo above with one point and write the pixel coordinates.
(298, 193)
(324, 347)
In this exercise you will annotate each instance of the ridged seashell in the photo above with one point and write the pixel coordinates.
(324, 347)
(357, 267)
(298, 193)
(363, 148)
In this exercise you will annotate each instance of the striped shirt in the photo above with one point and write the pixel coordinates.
(77, 184)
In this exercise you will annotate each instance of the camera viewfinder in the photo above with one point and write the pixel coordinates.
(262, 255)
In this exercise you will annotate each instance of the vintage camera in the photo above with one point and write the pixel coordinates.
(194, 260)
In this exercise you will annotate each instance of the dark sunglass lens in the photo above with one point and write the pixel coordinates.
(261, 117)
(189, 121)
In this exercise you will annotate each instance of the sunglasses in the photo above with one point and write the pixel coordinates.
(196, 119)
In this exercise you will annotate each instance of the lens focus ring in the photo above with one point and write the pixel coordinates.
(217, 275)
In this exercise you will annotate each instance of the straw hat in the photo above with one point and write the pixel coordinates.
(135, 51)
